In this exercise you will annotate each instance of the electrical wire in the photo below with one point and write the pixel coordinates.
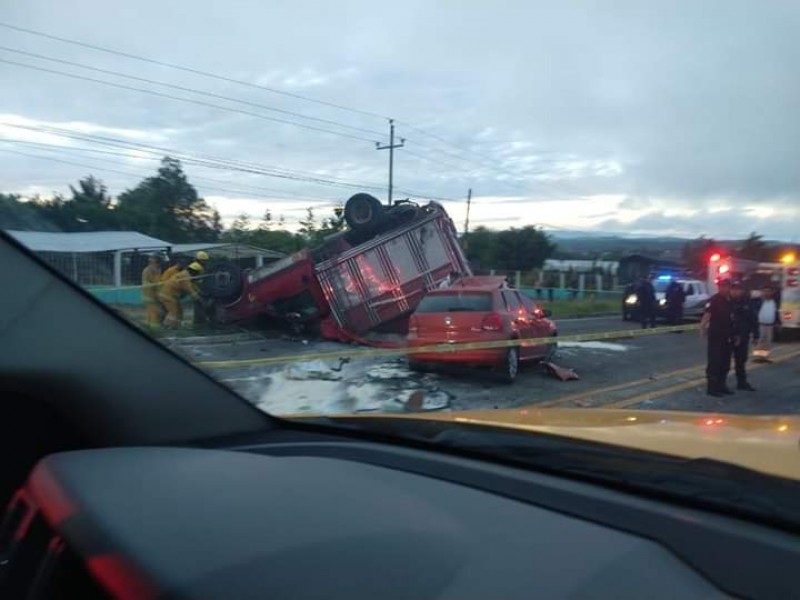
(168, 65)
(220, 163)
(129, 173)
(187, 100)
(260, 190)
(188, 89)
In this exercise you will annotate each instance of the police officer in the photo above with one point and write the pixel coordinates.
(718, 322)
(745, 326)
(646, 296)
(675, 297)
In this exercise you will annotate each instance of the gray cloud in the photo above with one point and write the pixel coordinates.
(691, 106)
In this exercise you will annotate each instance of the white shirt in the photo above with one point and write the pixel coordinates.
(766, 316)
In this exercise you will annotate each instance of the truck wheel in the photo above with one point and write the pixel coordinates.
(224, 282)
(363, 211)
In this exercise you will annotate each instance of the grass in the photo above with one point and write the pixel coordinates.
(584, 308)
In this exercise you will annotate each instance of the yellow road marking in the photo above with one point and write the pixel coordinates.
(613, 388)
(685, 385)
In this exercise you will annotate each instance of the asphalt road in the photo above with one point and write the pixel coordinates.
(661, 371)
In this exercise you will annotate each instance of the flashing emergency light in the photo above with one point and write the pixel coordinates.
(715, 257)
(788, 258)
(664, 277)
(724, 269)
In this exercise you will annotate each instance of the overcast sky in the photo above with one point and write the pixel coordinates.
(636, 117)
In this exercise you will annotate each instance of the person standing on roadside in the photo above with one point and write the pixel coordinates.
(173, 290)
(768, 312)
(717, 324)
(675, 297)
(646, 297)
(550, 282)
(197, 268)
(151, 277)
(745, 326)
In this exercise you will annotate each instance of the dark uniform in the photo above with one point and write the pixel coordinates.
(745, 326)
(720, 343)
(675, 297)
(646, 296)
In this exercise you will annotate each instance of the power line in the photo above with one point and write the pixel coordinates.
(263, 88)
(190, 70)
(211, 161)
(218, 163)
(189, 89)
(126, 173)
(252, 189)
(187, 100)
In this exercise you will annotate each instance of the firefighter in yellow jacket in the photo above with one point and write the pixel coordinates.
(171, 292)
(198, 267)
(151, 278)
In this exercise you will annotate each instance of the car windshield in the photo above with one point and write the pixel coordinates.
(455, 302)
(437, 210)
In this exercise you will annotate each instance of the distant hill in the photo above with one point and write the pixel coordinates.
(614, 247)
(602, 246)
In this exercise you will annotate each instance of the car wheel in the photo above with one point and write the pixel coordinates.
(510, 367)
(551, 352)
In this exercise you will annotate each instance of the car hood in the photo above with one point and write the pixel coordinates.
(765, 444)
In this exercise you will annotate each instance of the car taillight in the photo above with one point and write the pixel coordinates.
(413, 325)
(791, 283)
(492, 322)
(787, 316)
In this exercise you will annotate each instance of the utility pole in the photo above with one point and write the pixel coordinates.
(466, 221)
(390, 147)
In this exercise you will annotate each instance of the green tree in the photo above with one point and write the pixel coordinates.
(308, 226)
(16, 213)
(167, 206)
(90, 208)
(696, 253)
(515, 249)
(754, 248)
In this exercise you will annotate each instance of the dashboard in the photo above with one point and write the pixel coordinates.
(301, 520)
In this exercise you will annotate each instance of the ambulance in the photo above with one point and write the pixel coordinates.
(784, 276)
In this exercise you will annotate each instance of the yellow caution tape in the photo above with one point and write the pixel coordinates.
(442, 348)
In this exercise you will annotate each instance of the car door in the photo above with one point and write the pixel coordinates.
(520, 320)
(696, 297)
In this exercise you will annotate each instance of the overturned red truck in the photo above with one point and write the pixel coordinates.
(368, 277)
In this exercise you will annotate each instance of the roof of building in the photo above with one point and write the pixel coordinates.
(230, 250)
(87, 241)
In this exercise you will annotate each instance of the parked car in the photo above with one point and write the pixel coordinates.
(480, 309)
(697, 297)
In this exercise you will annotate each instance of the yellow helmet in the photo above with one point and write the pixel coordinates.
(201, 255)
(195, 267)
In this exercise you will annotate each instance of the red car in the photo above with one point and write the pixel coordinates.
(480, 309)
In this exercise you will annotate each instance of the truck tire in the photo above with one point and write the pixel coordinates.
(364, 212)
(224, 282)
